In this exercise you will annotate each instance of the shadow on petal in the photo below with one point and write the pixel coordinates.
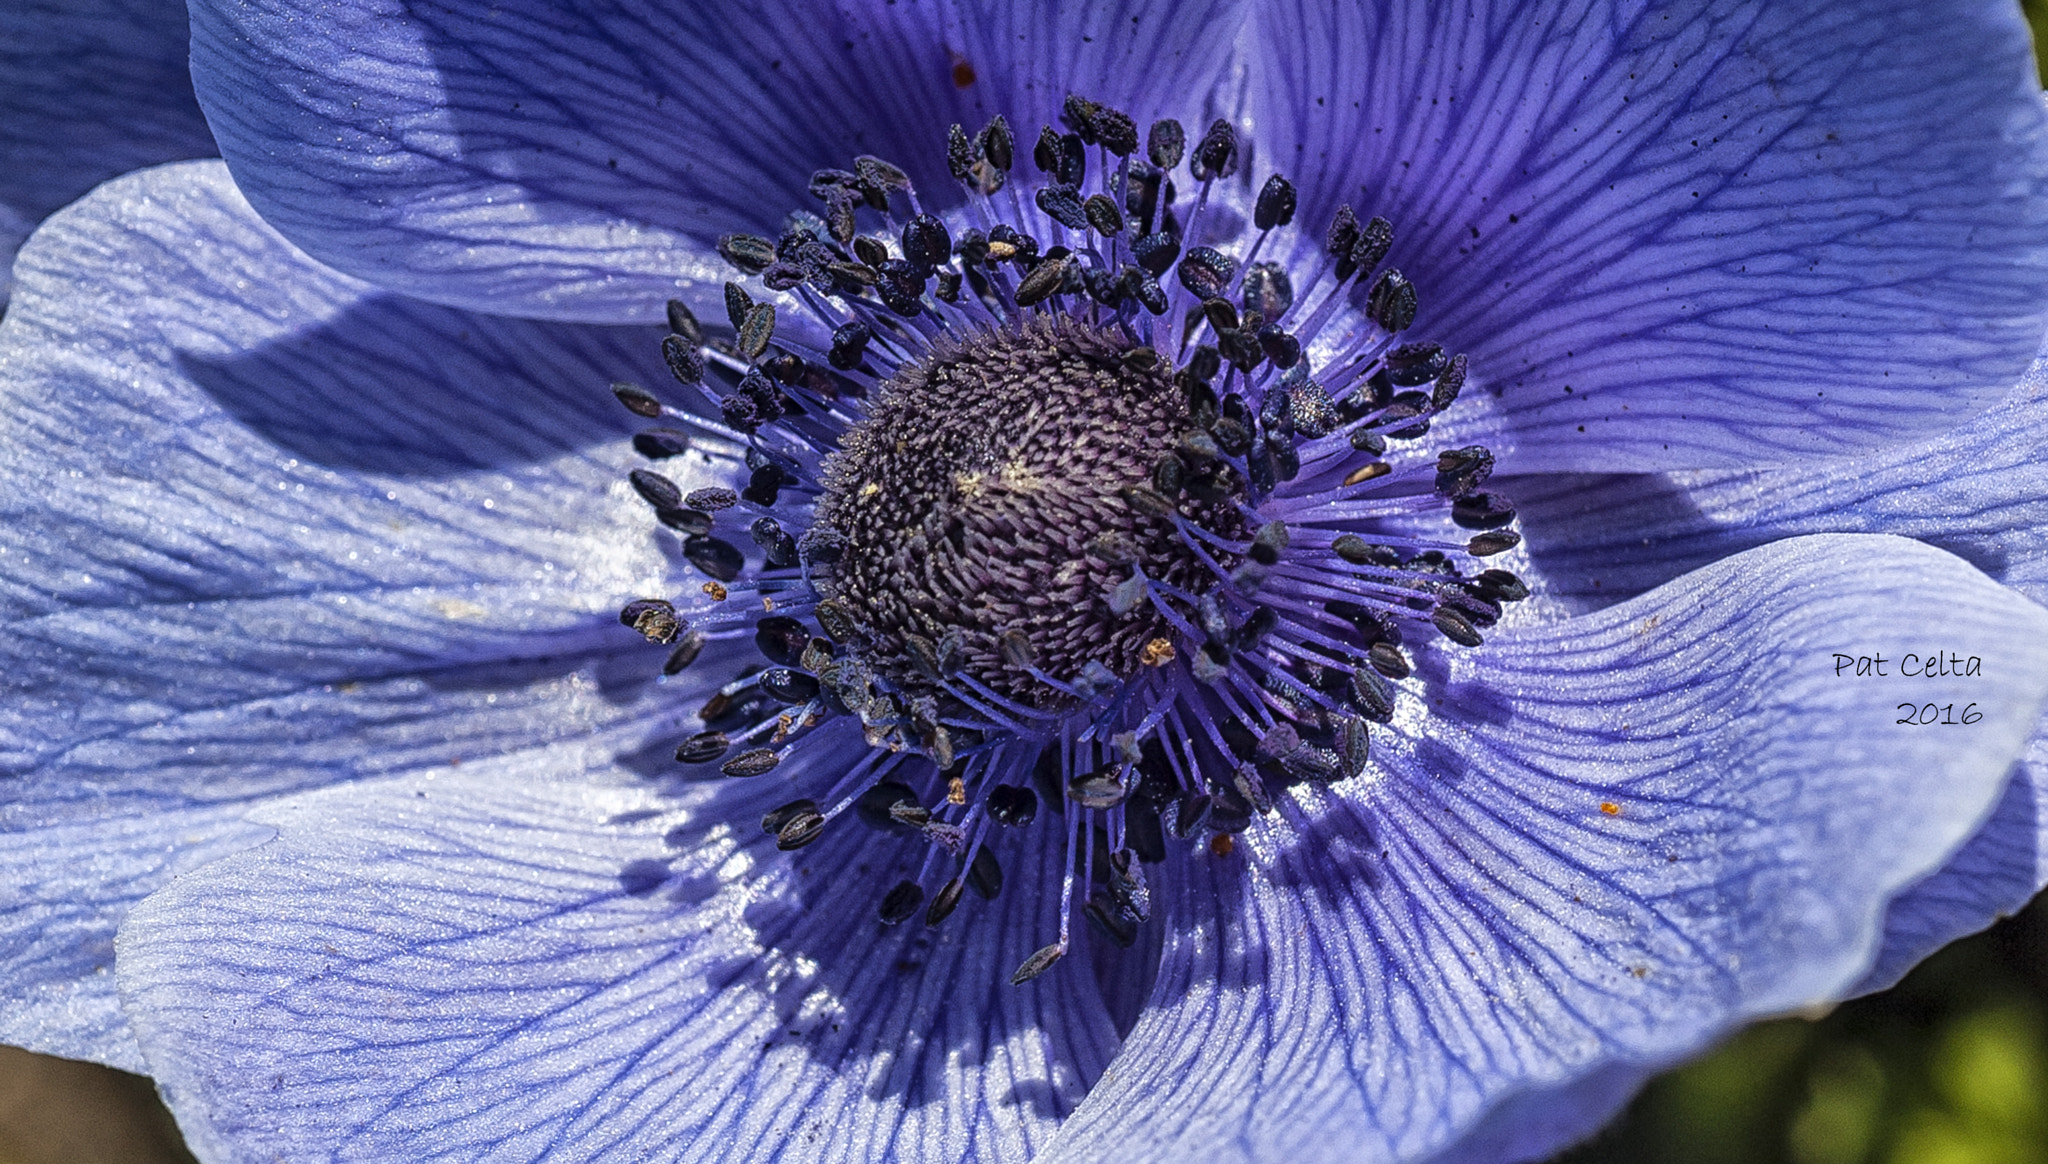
(405, 388)
(1596, 539)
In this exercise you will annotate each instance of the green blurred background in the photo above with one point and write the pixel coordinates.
(1948, 1067)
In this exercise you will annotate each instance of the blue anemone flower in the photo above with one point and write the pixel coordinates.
(317, 688)
(89, 89)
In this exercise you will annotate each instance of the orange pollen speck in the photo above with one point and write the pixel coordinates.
(963, 73)
(1221, 844)
(1610, 808)
(716, 591)
(1157, 653)
(956, 791)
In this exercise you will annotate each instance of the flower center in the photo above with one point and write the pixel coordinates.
(1068, 501)
(996, 496)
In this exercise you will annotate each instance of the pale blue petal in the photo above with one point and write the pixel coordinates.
(1683, 234)
(89, 89)
(1980, 492)
(541, 159)
(278, 530)
(1613, 839)
(517, 964)
(68, 883)
(1993, 876)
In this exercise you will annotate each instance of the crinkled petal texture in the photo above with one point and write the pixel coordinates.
(538, 158)
(1980, 491)
(1682, 234)
(515, 963)
(88, 89)
(270, 528)
(1617, 837)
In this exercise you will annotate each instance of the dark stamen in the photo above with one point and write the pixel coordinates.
(901, 903)
(637, 400)
(944, 902)
(703, 748)
(755, 762)
(1012, 804)
(1036, 541)
(1164, 144)
(1216, 155)
(1391, 302)
(657, 444)
(1037, 964)
(654, 618)
(984, 876)
(1275, 206)
(683, 322)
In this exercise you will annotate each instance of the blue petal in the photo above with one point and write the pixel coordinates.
(514, 965)
(1980, 492)
(1683, 234)
(1614, 838)
(1993, 876)
(534, 159)
(1534, 1124)
(270, 529)
(68, 884)
(88, 89)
